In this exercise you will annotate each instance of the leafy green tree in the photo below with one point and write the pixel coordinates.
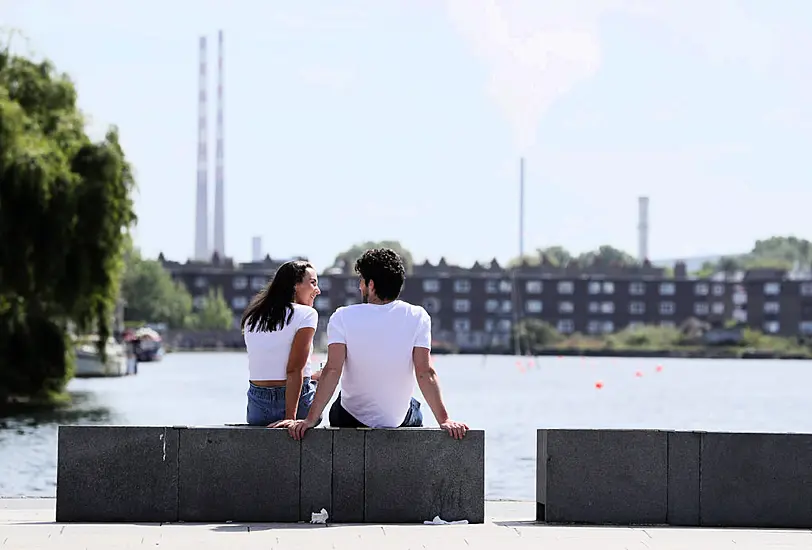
(214, 314)
(65, 207)
(346, 260)
(606, 254)
(150, 294)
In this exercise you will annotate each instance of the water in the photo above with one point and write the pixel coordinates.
(508, 400)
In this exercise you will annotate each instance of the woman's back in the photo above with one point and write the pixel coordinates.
(268, 351)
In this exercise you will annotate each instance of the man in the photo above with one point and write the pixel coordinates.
(380, 346)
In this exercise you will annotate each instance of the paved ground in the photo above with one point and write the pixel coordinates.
(29, 524)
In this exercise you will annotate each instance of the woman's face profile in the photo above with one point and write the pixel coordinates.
(306, 291)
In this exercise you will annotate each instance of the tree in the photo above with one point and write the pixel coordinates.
(65, 208)
(775, 252)
(214, 314)
(346, 260)
(606, 254)
(151, 295)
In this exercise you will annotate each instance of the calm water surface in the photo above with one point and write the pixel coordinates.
(506, 398)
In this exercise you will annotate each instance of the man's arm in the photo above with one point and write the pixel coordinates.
(336, 354)
(430, 387)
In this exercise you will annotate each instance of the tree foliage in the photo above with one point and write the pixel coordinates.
(214, 314)
(65, 206)
(346, 260)
(775, 252)
(559, 256)
(151, 296)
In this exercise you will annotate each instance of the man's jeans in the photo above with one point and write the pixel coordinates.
(340, 418)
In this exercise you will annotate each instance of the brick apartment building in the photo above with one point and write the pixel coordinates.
(475, 308)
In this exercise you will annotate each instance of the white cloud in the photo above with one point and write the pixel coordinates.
(537, 51)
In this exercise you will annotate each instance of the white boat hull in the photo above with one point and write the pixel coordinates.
(88, 363)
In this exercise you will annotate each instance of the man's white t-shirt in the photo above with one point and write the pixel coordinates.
(378, 376)
(268, 352)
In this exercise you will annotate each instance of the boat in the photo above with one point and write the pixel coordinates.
(147, 343)
(89, 364)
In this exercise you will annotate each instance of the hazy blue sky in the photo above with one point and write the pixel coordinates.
(404, 119)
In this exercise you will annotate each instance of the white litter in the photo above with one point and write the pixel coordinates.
(319, 517)
(439, 521)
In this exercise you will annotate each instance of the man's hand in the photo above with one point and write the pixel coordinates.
(455, 429)
(296, 428)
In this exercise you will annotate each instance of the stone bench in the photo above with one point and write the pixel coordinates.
(248, 474)
(641, 477)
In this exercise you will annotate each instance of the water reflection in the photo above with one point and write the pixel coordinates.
(83, 408)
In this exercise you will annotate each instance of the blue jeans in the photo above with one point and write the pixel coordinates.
(340, 418)
(267, 405)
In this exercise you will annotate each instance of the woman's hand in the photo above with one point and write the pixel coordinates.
(296, 428)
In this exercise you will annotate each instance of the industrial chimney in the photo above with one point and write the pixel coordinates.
(642, 228)
(256, 249)
(202, 199)
(219, 162)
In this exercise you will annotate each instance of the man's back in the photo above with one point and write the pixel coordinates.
(378, 378)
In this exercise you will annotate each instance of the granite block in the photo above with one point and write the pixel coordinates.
(348, 475)
(316, 489)
(604, 477)
(238, 474)
(415, 474)
(683, 478)
(756, 480)
(117, 474)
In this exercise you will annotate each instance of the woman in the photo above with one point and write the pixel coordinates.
(278, 326)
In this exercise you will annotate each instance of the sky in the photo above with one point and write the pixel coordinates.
(406, 119)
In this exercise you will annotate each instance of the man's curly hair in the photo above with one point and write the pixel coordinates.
(384, 266)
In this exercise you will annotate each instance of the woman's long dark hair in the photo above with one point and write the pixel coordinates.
(272, 307)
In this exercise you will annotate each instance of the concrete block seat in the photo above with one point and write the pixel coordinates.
(645, 477)
(250, 474)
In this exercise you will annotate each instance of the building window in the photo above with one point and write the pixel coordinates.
(565, 307)
(608, 307)
(352, 285)
(200, 282)
(701, 308)
(491, 286)
(594, 327)
(594, 287)
(667, 308)
(462, 325)
(533, 287)
(566, 287)
(718, 308)
(637, 288)
(325, 284)
(593, 307)
(805, 327)
(491, 305)
(637, 308)
(607, 327)
(462, 286)
(534, 306)
(772, 327)
(240, 283)
(772, 307)
(608, 287)
(239, 302)
(565, 326)
(504, 325)
(701, 289)
(322, 303)
(431, 285)
(636, 325)
(257, 283)
(806, 289)
(505, 287)
(667, 289)
(718, 289)
(490, 325)
(462, 306)
(199, 301)
(507, 306)
(772, 288)
(431, 305)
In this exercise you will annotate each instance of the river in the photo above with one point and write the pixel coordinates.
(507, 398)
